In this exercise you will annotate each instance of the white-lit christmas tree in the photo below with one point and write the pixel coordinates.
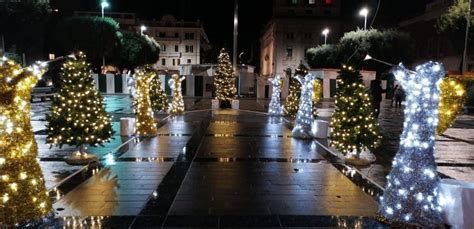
(224, 80)
(411, 194)
(304, 117)
(177, 104)
(78, 116)
(145, 123)
(23, 195)
(275, 107)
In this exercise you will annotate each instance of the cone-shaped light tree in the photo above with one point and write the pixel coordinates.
(224, 80)
(304, 117)
(293, 99)
(411, 194)
(354, 128)
(275, 108)
(159, 101)
(177, 104)
(78, 116)
(23, 194)
(145, 123)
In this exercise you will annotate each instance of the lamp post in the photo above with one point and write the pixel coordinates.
(142, 29)
(236, 33)
(364, 12)
(104, 4)
(466, 39)
(325, 34)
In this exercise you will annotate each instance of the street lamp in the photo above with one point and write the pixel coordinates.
(142, 29)
(325, 34)
(104, 4)
(364, 12)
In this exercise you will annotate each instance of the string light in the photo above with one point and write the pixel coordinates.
(452, 97)
(224, 81)
(413, 197)
(304, 117)
(354, 128)
(145, 123)
(317, 89)
(23, 195)
(77, 116)
(177, 104)
(159, 101)
(275, 107)
(293, 99)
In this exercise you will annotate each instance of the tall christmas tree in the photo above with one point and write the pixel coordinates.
(145, 123)
(77, 114)
(411, 194)
(177, 104)
(354, 127)
(159, 101)
(293, 99)
(224, 81)
(23, 194)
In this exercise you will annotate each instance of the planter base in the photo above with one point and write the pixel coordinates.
(78, 158)
(365, 158)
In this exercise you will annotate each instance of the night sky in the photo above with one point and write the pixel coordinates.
(217, 15)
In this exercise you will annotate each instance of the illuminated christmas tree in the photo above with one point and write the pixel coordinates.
(145, 123)
(224, 80)
(354, 128)
(23, 195)
(411, 194)
(159, 101)
(452, 97)
(304, 117)
(77, 114)
(177, 104)
(317, 89)
(275, 107)
(293, 99)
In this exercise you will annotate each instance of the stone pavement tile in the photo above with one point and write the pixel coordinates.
(454, 152)
(162, 146)
(459, 173)
(54, 172)
(177, 127)
(246, 188)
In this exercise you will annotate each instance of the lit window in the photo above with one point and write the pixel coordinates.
(327, 2)
(311, 2)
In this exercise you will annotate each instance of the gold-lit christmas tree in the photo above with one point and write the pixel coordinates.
(354, 128)
(159, 101)
(177, 104)
(78, 116)
(317, 89)
(224, 81)
(23, 195)
(145, 123)
(452, 97)
(291, 106)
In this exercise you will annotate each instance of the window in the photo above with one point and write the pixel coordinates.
(289, 52)
(311, 2)
(162, 34)
(189, 48)
(327, 2)
(309, 12)
(291, 2)
(305, 57)
(163, 48)
(189, 36)
(308, 36)
(291, 12)
(163, 61)
(174, 62)
(176, 35)
(290, 36)
(189, 61)
(176, 48)
(179, 61)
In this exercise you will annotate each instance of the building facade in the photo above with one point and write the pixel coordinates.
(431, 45)
(295, 27)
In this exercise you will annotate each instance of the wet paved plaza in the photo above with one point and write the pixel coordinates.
(226, 168)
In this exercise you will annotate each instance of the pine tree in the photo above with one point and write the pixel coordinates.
(293, 99)
(354, 127)
(224, 81)
(77, 114)
(23, 194)
(145, 123)
(159, 100)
